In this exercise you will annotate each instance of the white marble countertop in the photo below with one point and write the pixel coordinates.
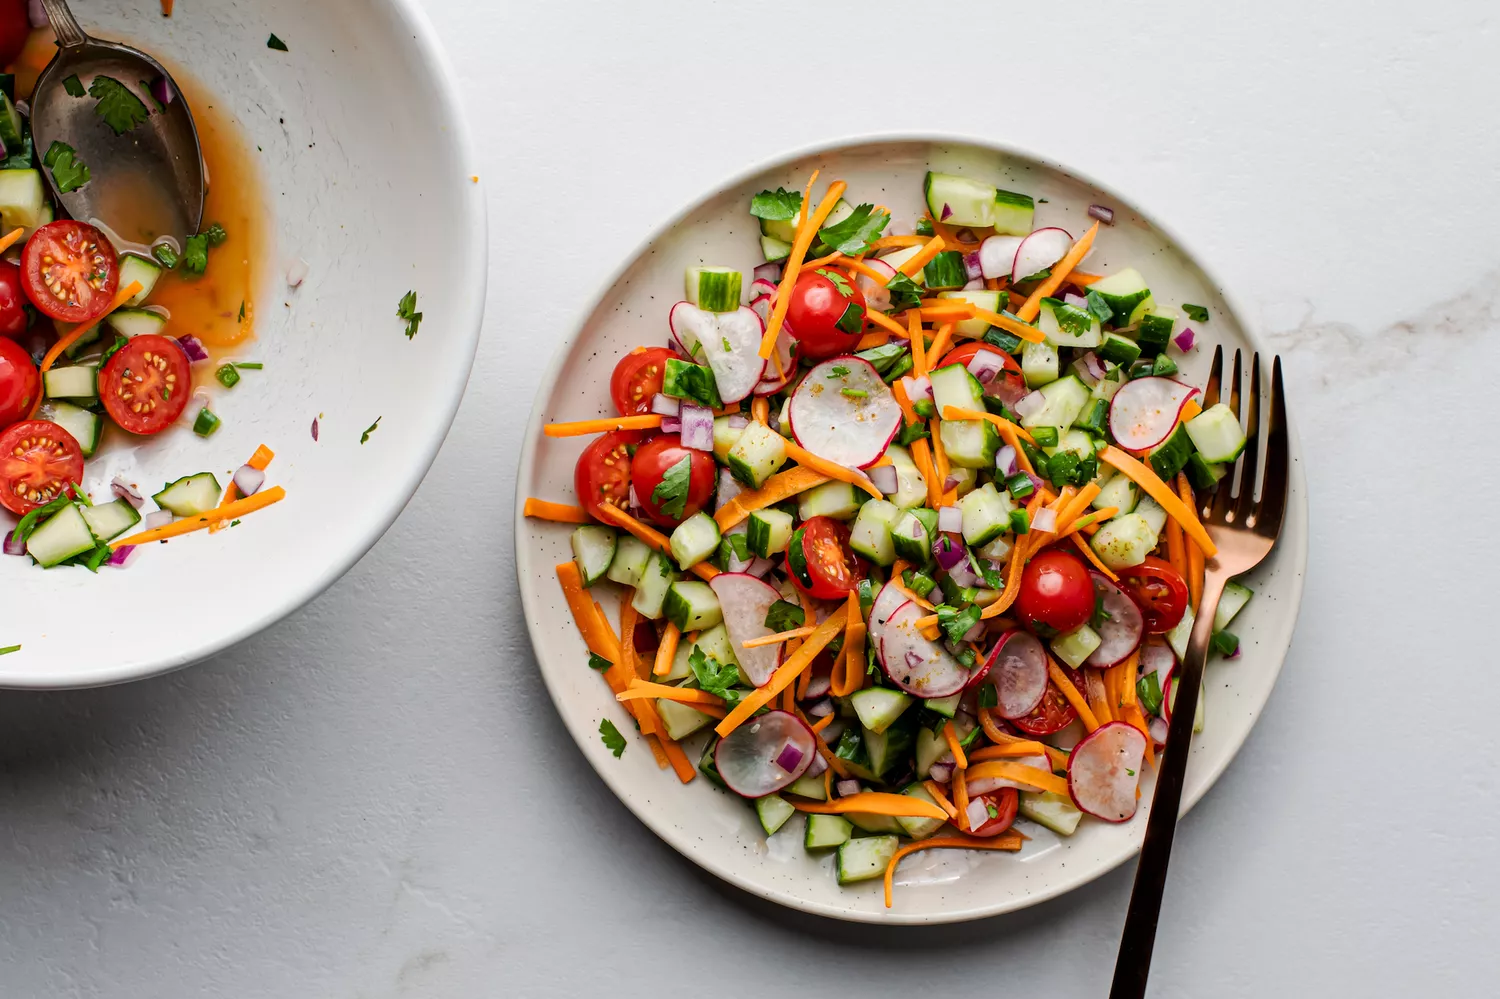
(375, 798)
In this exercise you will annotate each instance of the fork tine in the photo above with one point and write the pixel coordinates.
(1223, 501)
(1273, 493)
(1245, 505)
(1215, 375)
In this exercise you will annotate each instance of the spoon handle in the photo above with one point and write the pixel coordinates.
(69, 34)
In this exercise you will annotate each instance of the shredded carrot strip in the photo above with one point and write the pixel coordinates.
(1005, 841)
(918, 343)
(936, 790)
(939, 453)
(779, 637)
(580, 427)
(1098, 697)
(1177, 548)
(561, 513)
(10, 238)
(628, 620)
(904, 401)
(1162, 493)
(1129, 676)
(831, 469)
(960, 788)
(667, 650)
(876, 803)
(782, 485)
(650, 536)
(832, 258)
(682, 695)
(1008, 750)
(1060, 271)
(187, 525)
(940, 342)
(760, 410)
(866, 270)
(654, 744)
(1019, 772)
(1082, 279)
(852, 656)
(260, 460)
(1082, 523)
(784, 675)
(1013, 433)
(870, 340)
(681, 765)
(895, 242)
(951, 310)
(1194, 557)
(959, 759)
(600, 640)
(890, 325)
(1085, 714)
(806, 229)
(917, 261)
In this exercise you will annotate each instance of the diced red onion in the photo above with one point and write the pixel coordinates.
(1077, 301)
(248, 480)
(963, 573)
(120, 556)
(729, 487)
(820, 709)
(951, 482)
(738, 422)
(760, 566)
(193, 347)
(1094, 364)
(941, 772)
(978, 813)
(315, 428)
(816, 767)
(819, 685)
(12, 546)
(1158, 729)
(1036, 480)
(670, 424)
(155, 519)
(790, 757)
(200, 400)
(947, 213)
(1030, 404)
(950, 519)
(631, 500)
(697, 426)
(127, 491)
(1045, 519)
(1084, 374)
(884, 478)
(767, 272)
(974, 284)
(920, 388)
(971, 265)
(665, 405)
(1005, 461)
(36, 14)
(846, 788)
(985, 365)
(1185, 339)
(163, 91)
(1103, 214)
(975, 633)
(947, 551)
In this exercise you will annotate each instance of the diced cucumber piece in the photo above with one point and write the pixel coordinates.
(958, 200)
(108, 521)
(1216, 433)
(133, 322)
(945, 706)
(1141, 311)
(1153, 513)
(912, 535)
(911, 486)
(1117, 349)
(885, 749)
(12, 129)
(694, 540)
(1107, 386)
(1055, 811)
(1122, 292)
(715, 642)
(931, 745)
(593, 551)
(22, 197)
(651, 590)
(1124, 541)
(835, 499)
(726, 437)
(871, 534)
(83, 424)
(1119, 491)
(898, 257)
(84, 341)
(1155, 331)
(680, 720)
(133, 268)
(756, 456)
(953, 386)
(1204, 474)
(963, 479)
(1171, 455)
(774, 249)
(694, 382)
(773, 811)
(691, 605)
(77, 381)
(784, 230)
(979, 298)
(631, 557)
(970, 443)
(916, 826)
(1067, 325)
(61, 536)
(1236, 596)
(1065, 398)
(714, 289)
(879, 707)
(986, 514)
(997, 549)
(1073, 647)
(826, 831)
(1014, 213)
(946, 270)
(808, 787)
(871, 823)
(851, 749)
(190, 495)
(1178, 637)
(865, 858)
(1039, 364)
(1074, 441)
(768, 531)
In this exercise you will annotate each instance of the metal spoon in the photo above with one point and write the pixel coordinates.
(145, 183)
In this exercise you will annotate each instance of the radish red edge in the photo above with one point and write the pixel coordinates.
(1121, 631)
(1017, 667)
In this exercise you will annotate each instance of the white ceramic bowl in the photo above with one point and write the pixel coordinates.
(367, 166)
(718, 830)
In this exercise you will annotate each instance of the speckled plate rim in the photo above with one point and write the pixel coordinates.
(1292, 542)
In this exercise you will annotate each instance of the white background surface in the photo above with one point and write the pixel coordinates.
(375, 798)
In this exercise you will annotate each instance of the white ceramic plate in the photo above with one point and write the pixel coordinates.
(367, 167)
(719, 831)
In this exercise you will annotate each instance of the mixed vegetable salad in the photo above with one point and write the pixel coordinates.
(903, 525)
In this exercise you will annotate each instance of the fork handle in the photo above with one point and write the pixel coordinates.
(1133, 964)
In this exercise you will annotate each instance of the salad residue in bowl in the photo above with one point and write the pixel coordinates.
(903, 526)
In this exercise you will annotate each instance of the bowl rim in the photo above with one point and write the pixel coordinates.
(468, 320)
(1297, 545)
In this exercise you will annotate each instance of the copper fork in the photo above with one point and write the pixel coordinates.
(1244, 529)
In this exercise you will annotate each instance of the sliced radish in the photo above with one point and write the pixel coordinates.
(915, 664)
(783, 361)
(997, 254)
(985, 785)
(1018, 669)
(1121, 631)
(887, 602)
(744, 601)
(1105, 770)
(765, 754)
(877, 297)
(1039, 251)
(1157, 658)
(760, 286)
(1144, 411)
(1158, 730)
(844, 412)
(761, 306)
(728, 342)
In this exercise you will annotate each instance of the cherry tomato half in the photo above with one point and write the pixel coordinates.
(653, 460)
(145, 385)
(15, 28)
(1159, 590)
(1008, 386)
(13, 318)
(1054, 713)
(1056, 591)
(820, 562)
(20, 384)
(602, 474)
(637, 378)
(827, 313)
(1002, 805)
(37, 461)
(70, 270)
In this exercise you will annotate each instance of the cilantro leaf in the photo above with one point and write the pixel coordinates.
(855, 234)
(904, 292)
(838, 281)
(917, 431)
(121, 109)
(776, 206)
(1099, 307)
(195, 254)
(956, 623)
(1196, 313)
(69, 172)
(613, 740)
(407, 309)
(734, 546)
(598, 662)
(369, 430)
(988, 696)
(242, 311)
(713, 676)
(280, 46)
(837, 371)
(784, 615)
(74, 86)
(670, 494)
